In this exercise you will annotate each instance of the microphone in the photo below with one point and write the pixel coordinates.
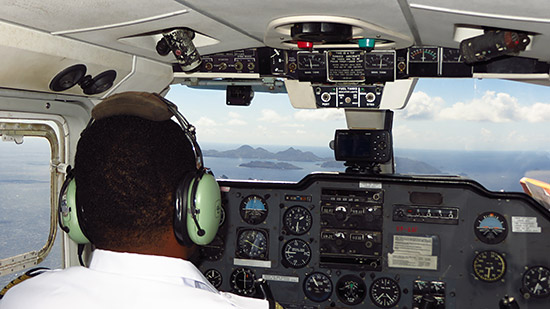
(200, 231)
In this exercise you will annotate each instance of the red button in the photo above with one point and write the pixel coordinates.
(304, 44)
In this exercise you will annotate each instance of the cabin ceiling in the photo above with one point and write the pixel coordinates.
(239, 24)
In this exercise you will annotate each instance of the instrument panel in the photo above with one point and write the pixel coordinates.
(343, 241)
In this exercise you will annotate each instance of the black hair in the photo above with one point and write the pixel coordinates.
(126, 171)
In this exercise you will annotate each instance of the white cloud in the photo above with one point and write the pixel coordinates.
(319, 114)
(205, 122)
(486, 135)
(517, 138)
(422, 106)
(234, 115)
(237, 122)
(539, 112)
(272, 116)
(293, 125)
(491, 107)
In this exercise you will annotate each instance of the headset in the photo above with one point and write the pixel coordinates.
(197, 200)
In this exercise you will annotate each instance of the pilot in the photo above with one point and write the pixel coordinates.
(129, 163)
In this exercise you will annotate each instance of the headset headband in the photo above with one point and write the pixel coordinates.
(150, 106)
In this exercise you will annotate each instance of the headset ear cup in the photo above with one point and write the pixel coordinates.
(207, 206)
(68, 214)
(180, 216)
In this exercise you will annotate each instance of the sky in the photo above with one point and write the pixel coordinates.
(447, 114)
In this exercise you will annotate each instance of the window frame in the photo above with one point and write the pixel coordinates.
(15, 129)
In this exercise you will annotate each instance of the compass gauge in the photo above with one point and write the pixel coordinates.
(252, 244)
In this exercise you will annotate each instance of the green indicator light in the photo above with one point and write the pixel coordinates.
(366, 43)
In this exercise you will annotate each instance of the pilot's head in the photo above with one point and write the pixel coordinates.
(127, 169)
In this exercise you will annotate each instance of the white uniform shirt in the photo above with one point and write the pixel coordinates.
(124, 280)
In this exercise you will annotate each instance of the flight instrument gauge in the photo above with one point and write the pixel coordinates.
(536, 282)
(385, 292)
(317, 287)
(296, 253)
(297, 220)
(214, 276)
(242, 281)
(214, 250)
(252, 244)
(253, 209)
(491, 227)
(351, 290)
(489, 266)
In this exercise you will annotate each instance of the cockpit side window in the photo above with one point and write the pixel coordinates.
(29, 159)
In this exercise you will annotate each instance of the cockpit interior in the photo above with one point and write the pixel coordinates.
(362, 237)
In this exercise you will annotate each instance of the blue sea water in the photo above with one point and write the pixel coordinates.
(495, 170)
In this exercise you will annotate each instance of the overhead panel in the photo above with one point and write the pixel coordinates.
(384, 14)
(438, 22)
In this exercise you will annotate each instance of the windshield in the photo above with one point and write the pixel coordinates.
(491, 131)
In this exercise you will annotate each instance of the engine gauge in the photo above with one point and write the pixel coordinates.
(351, 290)
(317, 287)
(214, 277)
(296, 253)
(379, 61)
(452, 55)
(423, 54)
(311, 61)
(297, 220)
(491, 227)
(385, 292)
(489, 266)
(536, 281)
(242, 281)
(214, 250)
(253, 209)
(252, 244)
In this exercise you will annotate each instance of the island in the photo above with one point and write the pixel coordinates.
(271, 165)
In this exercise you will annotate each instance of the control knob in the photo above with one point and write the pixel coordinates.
(341, 213)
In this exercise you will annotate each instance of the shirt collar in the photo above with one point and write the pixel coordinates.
(142, 265)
